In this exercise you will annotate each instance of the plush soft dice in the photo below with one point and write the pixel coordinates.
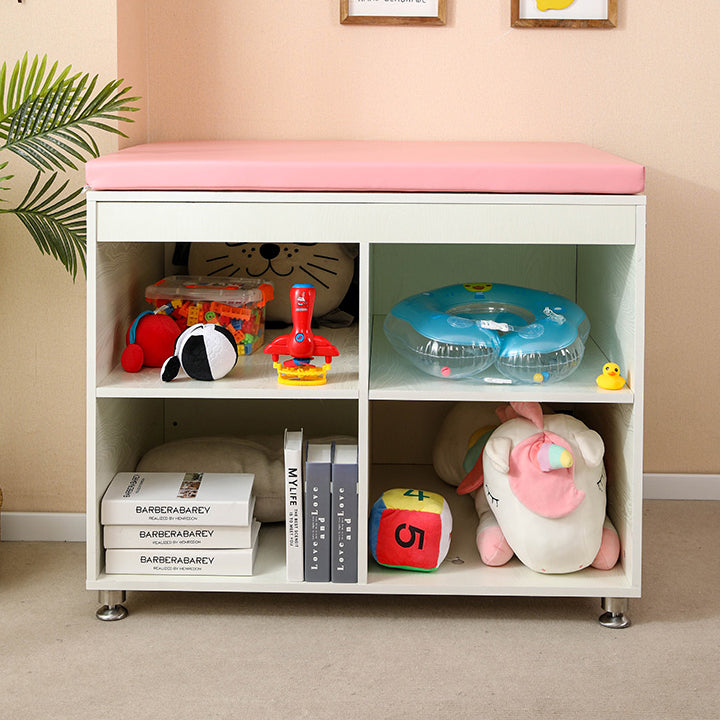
(410, 529)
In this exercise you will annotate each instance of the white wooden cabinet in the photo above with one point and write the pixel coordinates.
(590, 248)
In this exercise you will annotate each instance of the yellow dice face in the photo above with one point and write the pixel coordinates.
(405, 499)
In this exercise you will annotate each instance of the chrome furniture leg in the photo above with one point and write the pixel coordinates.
(616, 613)
(111, 605)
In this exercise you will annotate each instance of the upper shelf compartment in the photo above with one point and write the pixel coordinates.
(606, 281)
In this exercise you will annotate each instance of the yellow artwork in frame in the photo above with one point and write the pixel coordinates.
(564, 13)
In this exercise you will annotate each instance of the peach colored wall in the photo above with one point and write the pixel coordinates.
(132, 65)
(647, 90)
(42, 334)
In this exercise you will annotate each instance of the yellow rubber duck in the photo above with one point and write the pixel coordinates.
(610, 378)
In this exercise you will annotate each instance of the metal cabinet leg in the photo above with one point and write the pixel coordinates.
(111, 608)
(616, 613)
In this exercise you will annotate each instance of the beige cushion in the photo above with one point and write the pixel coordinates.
(227, 454)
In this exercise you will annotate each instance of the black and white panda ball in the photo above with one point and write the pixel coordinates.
(204, 351)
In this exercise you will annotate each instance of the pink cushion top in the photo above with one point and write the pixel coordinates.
(501, 167)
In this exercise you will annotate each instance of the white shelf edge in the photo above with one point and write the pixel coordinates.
(228, 393)
(608, 588)
(364, 198)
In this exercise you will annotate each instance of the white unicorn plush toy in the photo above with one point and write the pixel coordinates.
(539, 486)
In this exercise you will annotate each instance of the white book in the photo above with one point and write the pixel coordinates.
(294, 505)
(178, 536)
(183, 561)
(160, 498)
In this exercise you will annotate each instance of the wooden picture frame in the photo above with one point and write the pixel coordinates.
(577, 14)
(423, 12)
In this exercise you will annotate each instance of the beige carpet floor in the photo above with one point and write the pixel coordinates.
(209, 656)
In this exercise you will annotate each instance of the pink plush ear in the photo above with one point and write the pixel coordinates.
(532, 411)
(505, 413)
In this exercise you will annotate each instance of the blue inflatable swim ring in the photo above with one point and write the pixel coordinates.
(460, 331)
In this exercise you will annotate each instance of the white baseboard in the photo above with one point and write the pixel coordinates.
(43, 526)
(70, 527)
(659, 486)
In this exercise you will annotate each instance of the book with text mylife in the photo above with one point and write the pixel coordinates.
(344, 512)
(167, 498)
(318, 475)
(294, 540)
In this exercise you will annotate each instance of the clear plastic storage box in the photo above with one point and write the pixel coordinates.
(236, 303)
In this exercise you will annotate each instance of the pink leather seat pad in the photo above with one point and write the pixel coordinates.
(381, 166)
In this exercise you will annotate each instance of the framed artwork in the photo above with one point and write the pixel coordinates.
(563, 13)
(393, 12)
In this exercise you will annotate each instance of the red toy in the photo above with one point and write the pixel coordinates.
(150, 341)
(301, 344)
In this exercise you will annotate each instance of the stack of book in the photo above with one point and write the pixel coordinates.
(321, 500)
(180, 524)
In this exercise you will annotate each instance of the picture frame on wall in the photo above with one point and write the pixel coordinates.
(393, 12)
(563, 13)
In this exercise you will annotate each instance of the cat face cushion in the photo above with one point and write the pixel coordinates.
(327, 266)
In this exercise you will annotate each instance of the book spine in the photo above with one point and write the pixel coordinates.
(183, 561)
(176, 512)
(344, 537)
(179, 561)
(318, 474)
(153, 536)
(293, 506)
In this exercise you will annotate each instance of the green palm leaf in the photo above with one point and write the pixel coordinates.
(46, 118)
(3, 178)
(55, 220)
(51, 131)
(26, 82)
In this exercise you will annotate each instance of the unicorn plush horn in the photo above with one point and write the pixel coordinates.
(553, 457)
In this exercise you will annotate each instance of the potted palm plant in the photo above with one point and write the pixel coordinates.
(47, 119)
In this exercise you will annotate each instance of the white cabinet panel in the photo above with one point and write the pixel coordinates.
(588, 248)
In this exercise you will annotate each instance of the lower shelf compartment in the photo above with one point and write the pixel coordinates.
(462, 573)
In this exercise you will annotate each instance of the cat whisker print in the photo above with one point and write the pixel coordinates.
(304, 269)
(328, 266)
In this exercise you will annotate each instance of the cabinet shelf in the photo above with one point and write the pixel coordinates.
(252, 377)
(394, 378)
(513, 579)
